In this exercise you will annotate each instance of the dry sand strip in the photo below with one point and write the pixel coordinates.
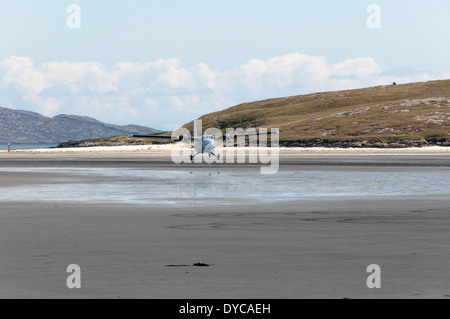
(304, 249)
(285, 151)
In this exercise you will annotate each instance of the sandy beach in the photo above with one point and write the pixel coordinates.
(286, 151)
(311, 248)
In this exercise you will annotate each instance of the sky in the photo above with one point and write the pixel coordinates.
(165, 63)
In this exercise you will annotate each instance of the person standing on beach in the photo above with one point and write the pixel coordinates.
(9, 147)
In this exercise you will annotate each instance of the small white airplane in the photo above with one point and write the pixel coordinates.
(203, 143)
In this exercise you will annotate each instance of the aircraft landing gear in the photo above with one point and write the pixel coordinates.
(216, 156)
(209, 155)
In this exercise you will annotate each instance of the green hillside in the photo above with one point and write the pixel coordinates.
(119, 140)
(395, 115)
(415, 114)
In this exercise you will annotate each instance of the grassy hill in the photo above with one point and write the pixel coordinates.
(396, 115)
(415, 114)
(118, 140)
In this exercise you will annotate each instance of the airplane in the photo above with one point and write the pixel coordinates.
(208, 142)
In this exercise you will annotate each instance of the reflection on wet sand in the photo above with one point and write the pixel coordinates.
(219, 186)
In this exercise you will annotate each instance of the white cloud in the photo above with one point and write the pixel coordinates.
(44, 105)
(151, 104)
(20, 74)
(165, 92)
(359, 67)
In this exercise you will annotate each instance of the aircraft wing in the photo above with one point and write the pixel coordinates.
(179, 138)
(152, 136)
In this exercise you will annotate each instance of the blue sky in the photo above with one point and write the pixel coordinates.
(164, 63)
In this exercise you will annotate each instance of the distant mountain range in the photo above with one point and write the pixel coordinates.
(18, 126)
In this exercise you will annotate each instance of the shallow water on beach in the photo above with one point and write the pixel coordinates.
(179, 188)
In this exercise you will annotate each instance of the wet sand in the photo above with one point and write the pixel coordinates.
(295, 249)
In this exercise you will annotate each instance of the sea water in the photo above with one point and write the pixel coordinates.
(196, 187)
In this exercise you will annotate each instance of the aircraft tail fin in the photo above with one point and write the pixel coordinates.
(195, 129)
